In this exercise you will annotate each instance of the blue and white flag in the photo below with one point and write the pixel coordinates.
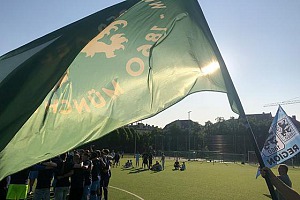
(283, 142)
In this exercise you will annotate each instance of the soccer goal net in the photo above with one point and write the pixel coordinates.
(252, 159)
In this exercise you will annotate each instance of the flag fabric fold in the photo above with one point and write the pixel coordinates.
(152, 56)
(28, 73)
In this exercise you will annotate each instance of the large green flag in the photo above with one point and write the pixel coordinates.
(146, 60)
(28, 73)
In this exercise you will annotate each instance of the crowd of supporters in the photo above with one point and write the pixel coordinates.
(76, 175)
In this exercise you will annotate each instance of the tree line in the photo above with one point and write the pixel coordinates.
(198, 137)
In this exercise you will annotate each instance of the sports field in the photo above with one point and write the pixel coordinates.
(201, 180)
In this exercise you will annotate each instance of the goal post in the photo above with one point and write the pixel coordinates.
(252, 157)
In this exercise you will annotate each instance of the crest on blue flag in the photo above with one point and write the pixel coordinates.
(283, 141)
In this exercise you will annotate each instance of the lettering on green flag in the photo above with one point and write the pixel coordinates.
(28, 73)
(148, 59)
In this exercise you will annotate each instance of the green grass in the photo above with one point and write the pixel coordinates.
(201, 180)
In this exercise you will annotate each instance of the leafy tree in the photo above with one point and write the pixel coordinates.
(176, 139)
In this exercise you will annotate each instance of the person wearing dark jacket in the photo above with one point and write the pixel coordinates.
(62, 175)
(44, 178)
(3, 187)
(105, 173)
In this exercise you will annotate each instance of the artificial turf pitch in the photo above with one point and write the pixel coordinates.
(201, 180)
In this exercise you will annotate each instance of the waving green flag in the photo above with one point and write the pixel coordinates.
(28, 73)
(146, 60)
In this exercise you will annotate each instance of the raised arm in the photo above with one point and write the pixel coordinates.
(284, 189)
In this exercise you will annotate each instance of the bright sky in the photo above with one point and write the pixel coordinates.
(259, 41)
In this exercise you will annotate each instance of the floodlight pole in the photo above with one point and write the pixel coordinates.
(189, 117)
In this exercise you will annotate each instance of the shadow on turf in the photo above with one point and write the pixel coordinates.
(126, 169)
(30, 196)
(154, 172)
(267, 195)
(137, 170)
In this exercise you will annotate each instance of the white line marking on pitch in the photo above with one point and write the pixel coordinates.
(127, 192)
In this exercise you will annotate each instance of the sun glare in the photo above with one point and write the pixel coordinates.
(209, 69)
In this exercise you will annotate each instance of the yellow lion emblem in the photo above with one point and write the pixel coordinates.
(117, 40)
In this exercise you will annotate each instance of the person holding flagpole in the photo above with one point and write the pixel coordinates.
(284, 177)
(287, 192)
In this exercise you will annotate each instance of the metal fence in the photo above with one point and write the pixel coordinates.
(209, 156)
